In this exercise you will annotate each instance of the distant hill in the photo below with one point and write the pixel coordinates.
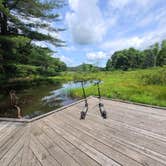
(86, 67)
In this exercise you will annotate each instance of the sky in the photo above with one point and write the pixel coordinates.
(95, 29)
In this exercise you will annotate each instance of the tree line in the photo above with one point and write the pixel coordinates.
(132, 58)
(21, 25)
(85, 68)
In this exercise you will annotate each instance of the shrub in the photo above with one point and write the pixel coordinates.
(47, 72)
(157, 77)
(25, 70)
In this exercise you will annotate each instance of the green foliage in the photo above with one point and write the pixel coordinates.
(47, 64)
(16, 11)
(156, 77)
(109, 66)
(124, 60)
(132, 58)
(19, 24)
(85, 68)
(84, 76)
(147, 59)
(129, 85)
(32, 60)
(26, 70)
(26, 82)
(161, 59)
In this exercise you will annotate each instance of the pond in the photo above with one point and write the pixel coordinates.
(39, 100)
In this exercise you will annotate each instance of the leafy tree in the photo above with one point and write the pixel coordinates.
(155, 49)
(85, 68)
(161, 59)
(134, 57)
(42, 57)
(120, 61)
(109, 65)
(21, 22)
(131, 58)
(147, 59)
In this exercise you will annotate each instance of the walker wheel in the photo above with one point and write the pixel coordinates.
(104, 114)
(82, 115)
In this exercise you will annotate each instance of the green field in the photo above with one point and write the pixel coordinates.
(142, 86)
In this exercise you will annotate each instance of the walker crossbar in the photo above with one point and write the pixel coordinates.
(101, 105)
(84, 112)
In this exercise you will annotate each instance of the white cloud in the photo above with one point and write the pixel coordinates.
(157, 17)
(141, 42)
(123, 3)
(139, 24)
(40, 43)
(65, 59)
(118, 3)
(38, 21)
(71, 48)
(74, 4)
(96, 55)
(47, 32)
(122, 43)
(129, 13)
(86, 22)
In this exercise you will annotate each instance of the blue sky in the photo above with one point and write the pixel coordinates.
(97, 28)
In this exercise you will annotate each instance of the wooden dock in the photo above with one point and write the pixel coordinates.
(132, 135)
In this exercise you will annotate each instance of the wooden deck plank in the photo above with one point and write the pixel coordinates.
(156, 125)
(132, 135)
(17, 160)
(113, 123)
(54, 150)
(8, 133)
(41, 153)
(3, 125)
(113, 143)
(26, 149)
(6, 130)
(97, 143)
(33, 161)
(144, 139)
(11, 141)
(137, 109)
(98, 156)
(148, 118)
(10, 155)
(69, 148)
(133, 107)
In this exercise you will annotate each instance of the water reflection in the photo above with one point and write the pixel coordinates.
(62, 95)
(39, 100)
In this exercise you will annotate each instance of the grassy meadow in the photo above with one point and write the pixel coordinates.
(143, 86)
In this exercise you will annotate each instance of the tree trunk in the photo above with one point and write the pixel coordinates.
(3, 32)
(3, 21)
(155, 61)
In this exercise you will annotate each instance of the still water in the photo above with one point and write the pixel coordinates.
(39, 100)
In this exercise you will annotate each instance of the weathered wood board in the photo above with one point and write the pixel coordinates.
(132, 135)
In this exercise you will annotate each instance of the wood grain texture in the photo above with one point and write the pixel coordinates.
(132, 135)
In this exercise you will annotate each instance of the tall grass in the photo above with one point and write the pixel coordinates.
(138, 86)
(155, 77)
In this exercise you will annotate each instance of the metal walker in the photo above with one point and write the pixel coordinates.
(101, 105)
(84, 112)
